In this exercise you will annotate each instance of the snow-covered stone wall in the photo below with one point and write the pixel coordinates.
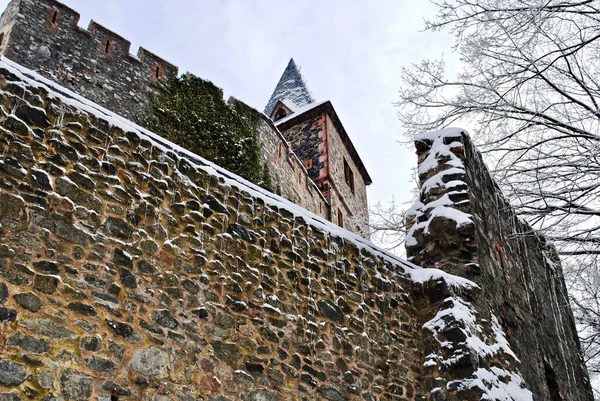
(463, 225)
(132, 269)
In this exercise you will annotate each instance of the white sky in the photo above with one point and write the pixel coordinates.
(350, 51)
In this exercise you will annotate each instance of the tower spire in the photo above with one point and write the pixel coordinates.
(291, 88)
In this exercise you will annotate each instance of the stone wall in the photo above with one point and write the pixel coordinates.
(463, 225)
(354, 204)
(132, 269)
(522, 280)
(43, 35)
(308, 140)
(128, 271)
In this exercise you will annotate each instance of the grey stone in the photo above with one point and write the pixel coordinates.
(11, 374)
(32, 115)
(7, 315)
(330, 311)
(46, 267)
(92, 344)
(100, 365)
(46, 379)
(68, 188)
(10, 397)
(41, 180)
(121, 258)
(118, 228)
(263, 395)
(117, 350)
(127, 278)
(15, 125)
(3, 293)
(45, 284)
(151, 362)
(67, 231)
(82, 309)
(164, 318)
(13, 167)
(48, 328)
(28, 343)
(75, 385)
(116, 389)
(190, 286)
(123, 330)
(82, 180)
(227, 352)
(12, 211)
(145, 267)
(331, 394)
(6, 250)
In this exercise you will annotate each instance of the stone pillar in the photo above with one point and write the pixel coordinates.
(466, 354)
(441, 230)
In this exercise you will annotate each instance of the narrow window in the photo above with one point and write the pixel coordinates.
(349, 175)
(107, 46)
(299, 177)
(280, 151)
(320, 207)
(157, 72)
(54, 17)
(340, 218)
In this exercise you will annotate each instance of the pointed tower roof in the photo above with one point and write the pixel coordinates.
(291, 88)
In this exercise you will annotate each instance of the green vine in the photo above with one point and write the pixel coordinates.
(192, 113)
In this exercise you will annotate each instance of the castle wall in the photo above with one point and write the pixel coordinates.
(43, 35)
(463, 225)
(522, 280)
(130, 272)
(131, 269)
(354, 205)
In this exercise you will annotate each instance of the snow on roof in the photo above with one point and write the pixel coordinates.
(297, 111)
(416, 273)
(292, 87)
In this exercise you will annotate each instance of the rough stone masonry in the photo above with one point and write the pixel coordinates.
(131, 269)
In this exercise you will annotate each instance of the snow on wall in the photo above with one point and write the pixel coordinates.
(512, 338)
(30, 78)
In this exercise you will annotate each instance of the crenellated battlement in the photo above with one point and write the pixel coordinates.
(45, 35)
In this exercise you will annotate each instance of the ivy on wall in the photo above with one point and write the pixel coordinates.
(192, 113)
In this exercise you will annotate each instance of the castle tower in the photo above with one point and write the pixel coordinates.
(319, 139)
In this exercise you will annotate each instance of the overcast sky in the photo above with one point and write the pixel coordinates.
(351, 52)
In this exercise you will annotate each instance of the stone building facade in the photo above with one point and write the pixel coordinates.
(43, 35)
